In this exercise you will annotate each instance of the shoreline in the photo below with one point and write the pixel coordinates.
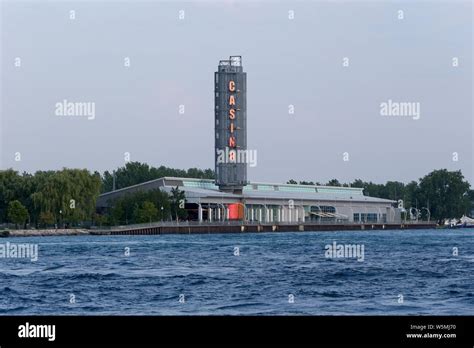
(213, 229)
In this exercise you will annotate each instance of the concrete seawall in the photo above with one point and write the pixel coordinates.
(208, 229)
(213, 228)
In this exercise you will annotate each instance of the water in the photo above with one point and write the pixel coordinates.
(418, 264)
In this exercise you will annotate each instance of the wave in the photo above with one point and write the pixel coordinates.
(241, 305)
(51, 268)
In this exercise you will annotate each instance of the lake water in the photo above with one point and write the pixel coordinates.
(399, 272)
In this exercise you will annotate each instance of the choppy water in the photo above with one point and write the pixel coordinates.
(419, 265)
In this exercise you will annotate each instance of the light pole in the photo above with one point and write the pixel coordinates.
(162, 213)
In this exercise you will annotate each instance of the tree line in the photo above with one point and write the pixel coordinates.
(45, 198)
(135, 173)
(146, 206)
(68, 197)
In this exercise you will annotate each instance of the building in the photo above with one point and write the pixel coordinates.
(232, 197)
(271, 203)
(230, 125)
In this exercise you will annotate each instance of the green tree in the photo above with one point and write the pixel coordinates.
(334, 182)
(393, 190)
(70, 194)
(10, 189)
(446, 193)
(178, 201)
(17, 213)
(134, 173)
(147, 212)
(126, 209)
(46, 218)
(411, 194)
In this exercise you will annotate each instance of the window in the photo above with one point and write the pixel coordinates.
(356, 217)
(265, 188)
(328, 209)
(372, 217)
(296, 189)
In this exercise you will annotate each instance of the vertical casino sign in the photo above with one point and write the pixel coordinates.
(230, 125)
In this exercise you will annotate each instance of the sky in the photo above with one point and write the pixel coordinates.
(334, 63)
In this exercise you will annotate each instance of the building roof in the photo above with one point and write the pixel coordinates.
(197, 189)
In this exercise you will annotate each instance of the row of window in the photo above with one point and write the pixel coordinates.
(369, 217)
(343, 190)
(200, 184)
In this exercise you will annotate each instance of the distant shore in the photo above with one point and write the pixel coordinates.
(44, 233)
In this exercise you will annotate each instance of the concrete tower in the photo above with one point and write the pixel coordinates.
(231, 125)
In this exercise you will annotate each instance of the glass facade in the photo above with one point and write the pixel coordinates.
(296, 189)
(265, 188)
(343, 190)
(200, 184)
(367, 217)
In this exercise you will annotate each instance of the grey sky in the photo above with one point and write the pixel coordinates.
(298, 62)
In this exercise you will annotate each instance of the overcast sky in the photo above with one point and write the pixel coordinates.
(295, 61)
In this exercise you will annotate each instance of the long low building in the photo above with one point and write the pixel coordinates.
(270, 203)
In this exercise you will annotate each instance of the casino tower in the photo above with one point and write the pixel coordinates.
(230, 125)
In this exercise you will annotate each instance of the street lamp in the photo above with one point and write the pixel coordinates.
(162, 213)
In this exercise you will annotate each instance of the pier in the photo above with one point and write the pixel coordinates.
(212, 228)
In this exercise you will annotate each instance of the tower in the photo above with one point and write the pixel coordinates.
(231, 125)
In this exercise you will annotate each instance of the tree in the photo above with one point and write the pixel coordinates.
(134, 173)
(17, 213)
(178, 199)
(411, 194)
(46, 218)
(127, 209)
(393, 190)
(69, 194)
(334, 182)
(446, 193)
(292, 182)
(10, 189)
(146, 213)
(471, 198)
